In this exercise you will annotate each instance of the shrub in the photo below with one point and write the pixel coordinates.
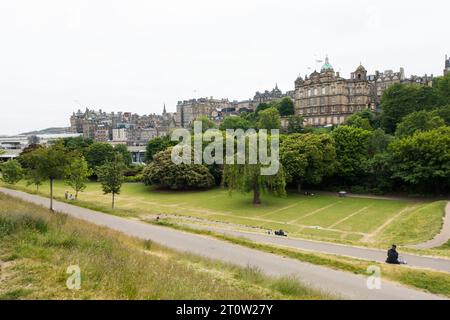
(162, 172)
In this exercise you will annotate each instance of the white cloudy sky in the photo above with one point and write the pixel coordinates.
(134, 55)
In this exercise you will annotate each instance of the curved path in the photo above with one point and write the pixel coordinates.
(440, 239)
(343, 284)
(438, 264)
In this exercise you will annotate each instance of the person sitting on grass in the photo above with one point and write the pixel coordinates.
(392, 255)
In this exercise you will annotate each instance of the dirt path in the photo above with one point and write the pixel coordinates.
(371, 236)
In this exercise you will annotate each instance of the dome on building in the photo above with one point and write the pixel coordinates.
(361, 68)
(327, 66)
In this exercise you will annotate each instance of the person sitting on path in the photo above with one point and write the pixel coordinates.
(392, 255)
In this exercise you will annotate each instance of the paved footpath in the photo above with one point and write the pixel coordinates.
(438, 264)
(342, 284)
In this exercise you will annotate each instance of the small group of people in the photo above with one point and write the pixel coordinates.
(69, 196)
(307, 193)
(277, 232)
(392, 256)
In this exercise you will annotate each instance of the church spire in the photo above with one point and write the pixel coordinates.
(164, 109)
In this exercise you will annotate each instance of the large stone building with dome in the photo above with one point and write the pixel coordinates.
(325, 98)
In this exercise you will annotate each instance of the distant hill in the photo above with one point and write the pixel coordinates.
(48, 131)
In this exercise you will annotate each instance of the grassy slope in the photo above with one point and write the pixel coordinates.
(291, 213)
(417, 226)
(36, 247)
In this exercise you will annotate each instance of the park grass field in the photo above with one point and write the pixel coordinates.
(36, 248)
(364, 221)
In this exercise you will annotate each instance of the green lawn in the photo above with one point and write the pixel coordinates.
(324, 217)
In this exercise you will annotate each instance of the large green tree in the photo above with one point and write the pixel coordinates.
(352, 151)
(423, 160)
(285, 107)
(98, 153)
(77, 143)
(11, 171)
(111, 177)
(48, 164)
(307, 158)
(269, 119)
(418, 121)
(248, 176)
(163, 172)
(400, 100)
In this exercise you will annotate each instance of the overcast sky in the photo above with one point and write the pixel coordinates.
(135, 55)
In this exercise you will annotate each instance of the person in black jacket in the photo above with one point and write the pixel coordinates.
(392, 255)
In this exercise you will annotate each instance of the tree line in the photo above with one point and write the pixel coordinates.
(405, 147)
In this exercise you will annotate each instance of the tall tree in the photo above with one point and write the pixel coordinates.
(423, 159)
(352, 152)
(285, 107)
(77, 174)
(400, 100)
(247, 177)
(269, 119)
(307, 158)
(98, 153)
(110, 175)
(49, 164)
(11, 171)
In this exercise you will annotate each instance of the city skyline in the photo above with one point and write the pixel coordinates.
(223, 50)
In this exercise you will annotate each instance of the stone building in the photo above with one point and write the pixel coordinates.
(190, 110)
(268, 96)
(123, 127)
(326, 98)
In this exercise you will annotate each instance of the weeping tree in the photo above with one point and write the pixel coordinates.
(247, 176)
